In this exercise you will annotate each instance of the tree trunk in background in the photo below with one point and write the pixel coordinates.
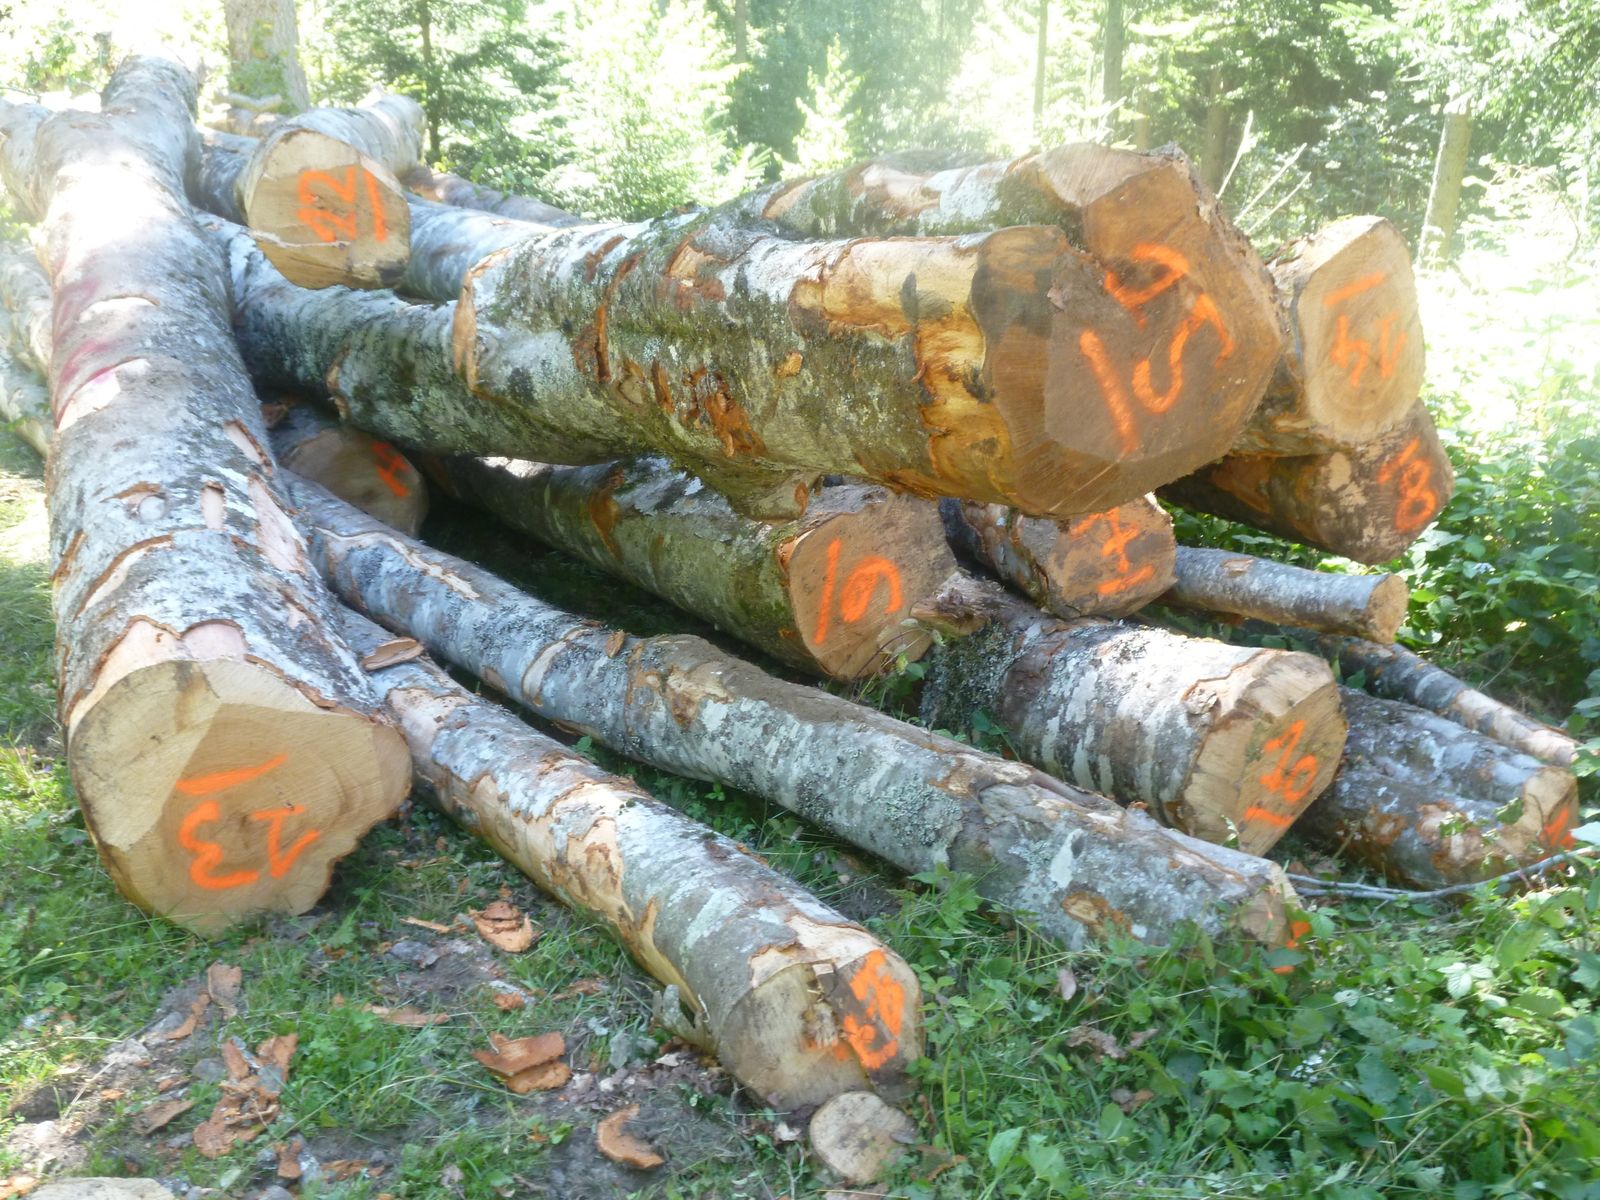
(264, 50)
(1104, 564)
(1240, 585)
(221, 737)
(1111, 60)
(741, 31)
(831, 592)
(800, 1003)
(1214, 145)
(1041, 62)
(1449, 170)
(1076, 861)
(1216, 739)
(356, 467)
(1430, 804)
(430, 73)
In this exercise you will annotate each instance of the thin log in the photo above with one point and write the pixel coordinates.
(1078, 863)
(221, 738)
(1430, 804)
(1242, 585)
(1367, 504)
(24, 399)
(1219, 741)
(445, 188)
(19, 131)
(1103, 564)
(800, 1003)
(25, 295)
(831, 591)
(1353, 353)
(355, 466)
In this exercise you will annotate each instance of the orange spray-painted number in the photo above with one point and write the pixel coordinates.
(390, 465)
(1297, 930)
(1114, 546)
(331, 208)
(1292, 783)
(1418, 500)
(1356, 354)
(874, 1037)
(208, 855)
(860, 585)
(1557, 833)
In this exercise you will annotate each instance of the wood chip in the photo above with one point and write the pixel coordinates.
(16, 1185)
(392, 653)
(543, 1078)
(277, 1051)
(112, 1094)
(512, 1056)
(614, 643)
(233, 1058)
(223, 984)
(289, 1158)
(170, 1082)
(343, 1168)
(509, 1001)
(583, 987)
(620, 1146)
(434, 926)
(409, 1017)
(504, 927)
(159, 1115)
(212, 1137)
(201, 1002)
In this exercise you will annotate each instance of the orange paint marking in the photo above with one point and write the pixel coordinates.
(390, 464)
(1418, 500)
(1356, 353)
(1111, 388)
(875, 1040)
(380, 223)
(208, 855)
(1133, 299)
(863, 581)
(205, 784)
(279, 860)
(340, 221)
(828, 577)
(1365, 284)
(1114, 544)
(1556, 833)
(1297, 930)
(1267, 817)
(1292, 783)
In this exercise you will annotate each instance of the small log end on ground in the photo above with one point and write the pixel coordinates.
(858, 1136)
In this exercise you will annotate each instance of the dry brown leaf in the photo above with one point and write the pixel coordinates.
(543, 1078)
(159, 1115)
(223, 983)
(1140, 1038)
(411, 1018)
(620, 1146)
(195, 1010)
(512, 1056)
(17, 1185)
(434, 926)
(391, 653)
(1100, 1043)
(112, 1094)
(504, 927)
(1066, 983)
(509, 1001)
(1128, 1101)
(583, 987)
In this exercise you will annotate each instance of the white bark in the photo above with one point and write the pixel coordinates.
(1241, 585)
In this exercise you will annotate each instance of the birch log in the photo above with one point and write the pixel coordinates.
(1352, 364)
(24, 399)
(1217, 740)
(444, 188)
(220, 736)
(1076, 861)
(800, 1003)
(1430, 804)
(1367, 504)
(25, 295)
(19, 131)
(1103, 564)
(355, 466)
(1242, 585)
(831, 592)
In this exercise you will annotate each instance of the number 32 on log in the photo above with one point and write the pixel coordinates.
(206, 856)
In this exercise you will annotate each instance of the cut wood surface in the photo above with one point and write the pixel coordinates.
(1102, 564)
(1352, 363)
(858, 1136)
(1430, 804)
(1395, 673)
(1367, 504)
(1076, 861)
(800, 1003)
(831, 591)
(221, 737)
(1213, 738)
(355, 466)
(1242, 585)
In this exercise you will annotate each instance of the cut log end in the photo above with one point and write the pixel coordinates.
(362, 470)
(216, 791)
(858, 1136)
(325, 214)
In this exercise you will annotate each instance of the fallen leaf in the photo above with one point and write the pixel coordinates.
(223, 983)
(195, 1010)
(1128, 1101)
(1140, 1038)
(343, 1168)
(410, 1017)
(622, 1147)
(1101, 1044)
(159, 1115)
(16, 1185)
(421, 924)
(583, 987)
(1066, 983)
(391, 653)
(509, 1001)
(512, 1056)
(503, 927)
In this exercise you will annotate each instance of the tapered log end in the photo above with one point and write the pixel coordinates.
(216, 791)
(858, 1136)
(365, 471)
(1386, 610)
(855, 575)
(326, 214)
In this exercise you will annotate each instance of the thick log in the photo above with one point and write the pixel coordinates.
(1395, 673)
(444, 188)
(221, 737)
(831, 591)
(1242, 585)
(19, 131)
(1367, 504)
(1103, 564)
(1430, 804)
(800, 1003)
(1076, 861)
(1219, 741)
(24, 399)
(1352, 361)
(355, 466)
(25, 295)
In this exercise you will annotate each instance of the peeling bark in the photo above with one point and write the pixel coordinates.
(1430, 804)
(221, 739)
(356, 467)
(1103, 564)
(1076, 861)
(1241, 585)
(1367, 504)
(1217, 740)
(801, 1004)
(831, 591)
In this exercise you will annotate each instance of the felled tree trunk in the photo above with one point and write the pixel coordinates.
(1103, 564)
(1241, 585)
(445, 188)
(1352, 363)
(355, 466)
(24, 399)
(19, 130)
(1215, 739)
(831, 591)
(1367, 504)
(1076, 861)
(264, 49)
(800, 1003)
(1430, 804)
(1396, 673)
(220, 736)
(25, 295)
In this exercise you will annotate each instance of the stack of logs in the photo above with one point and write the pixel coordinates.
(857, 421)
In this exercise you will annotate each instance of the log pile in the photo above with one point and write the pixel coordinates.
(877, 418)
